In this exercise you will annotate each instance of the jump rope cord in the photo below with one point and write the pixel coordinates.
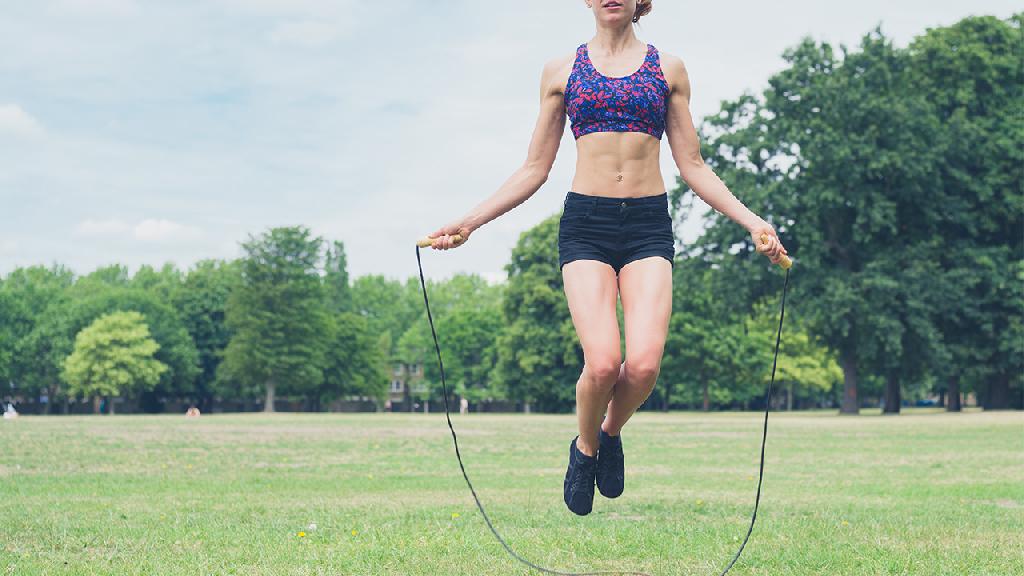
(487, 520)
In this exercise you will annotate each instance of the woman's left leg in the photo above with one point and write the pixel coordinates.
(645, 288)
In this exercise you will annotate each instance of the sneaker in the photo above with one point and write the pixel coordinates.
(610, 469)
(579, 481)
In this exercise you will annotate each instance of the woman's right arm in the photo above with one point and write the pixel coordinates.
(531, 175)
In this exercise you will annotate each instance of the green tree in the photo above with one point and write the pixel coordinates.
(201, 301)
(710, 357)
(113, 356)
(539, 357)
(33, 300)
(278, 317)
(468, 317)
(338, 290)
(355, 361)
(842, 156)
(973, 74)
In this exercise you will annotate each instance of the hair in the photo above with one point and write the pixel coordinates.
(642, 9)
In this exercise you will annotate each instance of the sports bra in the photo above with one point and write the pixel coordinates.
(598, 103)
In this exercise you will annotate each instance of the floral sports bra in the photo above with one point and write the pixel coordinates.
(598, 103)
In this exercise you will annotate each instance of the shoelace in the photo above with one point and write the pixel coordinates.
(584, 471)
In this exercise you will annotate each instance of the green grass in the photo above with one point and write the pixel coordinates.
(921, 493)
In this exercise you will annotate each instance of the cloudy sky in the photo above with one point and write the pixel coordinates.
(146, 132)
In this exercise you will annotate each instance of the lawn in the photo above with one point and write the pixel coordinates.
(295, 494)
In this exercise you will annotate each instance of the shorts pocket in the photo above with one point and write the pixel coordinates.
(657, 214)
(576, 211)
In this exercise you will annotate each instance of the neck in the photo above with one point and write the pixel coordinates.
(617, 40)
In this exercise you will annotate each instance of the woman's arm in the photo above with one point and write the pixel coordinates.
(685, 145)
(528, 178)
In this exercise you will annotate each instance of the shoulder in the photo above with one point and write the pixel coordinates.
(676, 75)
(556, 70)
(561, 62)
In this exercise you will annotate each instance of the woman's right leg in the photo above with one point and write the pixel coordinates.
(591, 289)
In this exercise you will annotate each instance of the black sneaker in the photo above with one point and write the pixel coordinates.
(610, 469)
(579, 481)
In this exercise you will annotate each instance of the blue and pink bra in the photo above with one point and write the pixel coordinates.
(598, 103)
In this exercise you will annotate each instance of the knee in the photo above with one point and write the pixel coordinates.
(604, 369)
(643, 370)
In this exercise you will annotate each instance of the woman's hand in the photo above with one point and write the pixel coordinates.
(774, 248)
(443, 237)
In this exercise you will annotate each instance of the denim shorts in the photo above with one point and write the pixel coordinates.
(613, 230)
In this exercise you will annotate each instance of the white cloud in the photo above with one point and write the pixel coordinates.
(16, 121)
(101, 228)
(156, 230)
(151, 230)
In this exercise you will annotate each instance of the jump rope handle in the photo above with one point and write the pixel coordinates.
(427, 240)
(785, 262)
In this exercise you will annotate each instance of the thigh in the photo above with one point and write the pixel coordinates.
(645, 286)
(591, 291)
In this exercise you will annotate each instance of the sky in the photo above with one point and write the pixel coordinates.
(140, 132)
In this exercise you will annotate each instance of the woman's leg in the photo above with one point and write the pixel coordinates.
(591, 291)
(645, 287)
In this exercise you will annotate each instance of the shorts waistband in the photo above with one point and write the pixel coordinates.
(596, 200)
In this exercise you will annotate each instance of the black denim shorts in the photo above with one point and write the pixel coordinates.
(615, 230)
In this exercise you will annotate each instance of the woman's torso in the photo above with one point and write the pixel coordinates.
(617, 110)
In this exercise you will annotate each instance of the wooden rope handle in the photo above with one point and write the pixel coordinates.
(427, 240)
(785, 262)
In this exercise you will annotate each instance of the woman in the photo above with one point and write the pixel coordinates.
(615, 236)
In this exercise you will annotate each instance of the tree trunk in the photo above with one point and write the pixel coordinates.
(789, 397)
(998, 397)
(667, 391)
(707, 399)
(892, 394)
(96, 400)
(526, 407)
(953, 403)
(849, 362)
(268, 403)
(110, 405)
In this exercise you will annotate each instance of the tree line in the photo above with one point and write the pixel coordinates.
(894, 176)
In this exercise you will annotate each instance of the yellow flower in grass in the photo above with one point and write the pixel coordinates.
(301, 534)
(455, 515)
(355, 532)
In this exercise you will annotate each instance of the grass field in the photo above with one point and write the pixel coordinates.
(920, 493)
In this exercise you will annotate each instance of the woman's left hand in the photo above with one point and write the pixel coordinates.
(774, 248)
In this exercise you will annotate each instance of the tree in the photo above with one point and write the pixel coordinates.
(468, 316)
(842, 155)
(539, 356)
(113, 356)
(201, 301)
(33, 300)
(972, 73)
(710, 357)
(338, 291)
(278, 316)
(355, 361)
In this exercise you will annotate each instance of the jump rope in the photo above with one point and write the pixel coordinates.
(784, 262)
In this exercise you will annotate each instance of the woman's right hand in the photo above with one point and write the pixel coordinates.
(443, 237)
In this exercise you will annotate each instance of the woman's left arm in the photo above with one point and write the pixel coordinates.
(683, 140)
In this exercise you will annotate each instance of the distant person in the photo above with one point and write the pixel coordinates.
(192, 412)
(615, 236)
(9, 412)
(463, 405)
(387, 405)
